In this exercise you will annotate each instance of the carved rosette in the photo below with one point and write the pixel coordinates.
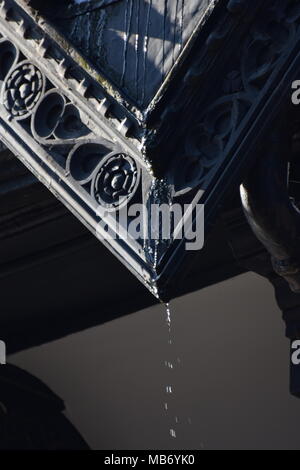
(90, 149)
(22, 90)
(108, 176)
(116, 181)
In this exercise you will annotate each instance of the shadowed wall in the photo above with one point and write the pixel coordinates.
(232, 381)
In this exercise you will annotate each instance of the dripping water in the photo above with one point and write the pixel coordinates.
(164, 40)
(182, 23)
(155, 245)
(172, 366)
(169, 391)
(136, 47)
(128, 19)
(100, 31)
(145, 51)
(175, 30)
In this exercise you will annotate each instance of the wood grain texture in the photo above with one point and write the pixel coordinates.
(135, 42)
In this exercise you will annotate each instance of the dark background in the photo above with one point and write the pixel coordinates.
(232, 381)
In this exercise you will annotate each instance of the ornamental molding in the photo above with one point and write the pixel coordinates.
(96, 155)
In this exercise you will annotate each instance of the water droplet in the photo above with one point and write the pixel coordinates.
(172, 363)
(168, 319)
(169, 365)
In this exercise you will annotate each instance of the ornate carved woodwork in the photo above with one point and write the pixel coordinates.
(99, 138)
(113, 102)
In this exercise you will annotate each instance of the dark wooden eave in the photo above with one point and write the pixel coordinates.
(209, 115)
(56, 278)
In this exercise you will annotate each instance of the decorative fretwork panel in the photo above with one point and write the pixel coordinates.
(99, 154)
